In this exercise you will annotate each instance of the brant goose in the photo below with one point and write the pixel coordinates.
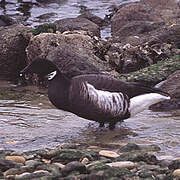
(95, 97)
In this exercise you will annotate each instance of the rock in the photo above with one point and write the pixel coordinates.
(176, 173)
(5, 20)
(91, 17)
(74, 54)
(172, 86)
(85, 161)
(17, 159)
(12, 51)
(60, 165)
(149, 74)
(174, 165)
(136, 28)
(137, 157)
(73, 166)
(109, 154)
(70, 24)
(6, 164)
(122, 164)
(68, 155)
(133, 12)
(129, 147)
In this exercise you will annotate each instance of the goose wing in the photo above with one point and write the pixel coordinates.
(91, 103)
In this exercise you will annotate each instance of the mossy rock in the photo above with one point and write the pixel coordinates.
(44, 28)
(155, 73)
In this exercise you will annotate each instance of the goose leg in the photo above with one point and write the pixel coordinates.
(112, 125)
(101, 124)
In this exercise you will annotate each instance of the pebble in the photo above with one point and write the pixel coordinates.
(109, 154)
(17, 159)
(85, 161)
(122, 164)
(176, 173)
(60, 165)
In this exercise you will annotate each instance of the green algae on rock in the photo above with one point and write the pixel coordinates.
(155, 73)
(44, 28)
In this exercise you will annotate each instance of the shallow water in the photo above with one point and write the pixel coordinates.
(37, 13)
(30, 122)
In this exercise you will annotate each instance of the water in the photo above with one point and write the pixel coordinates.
(29, 122)
(37, 13)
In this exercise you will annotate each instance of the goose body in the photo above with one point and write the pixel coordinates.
(95, 97)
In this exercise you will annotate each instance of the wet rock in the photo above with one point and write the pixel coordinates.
(122, 164)
(130, 147)
(91, 17)
(73, 166)
(70, 24)
(172, 86)
(174, 165)
(6, 164)
(17, 159)
(109, 154)
(12, 51)
(5, 20)
(137, 157)
(68, 155)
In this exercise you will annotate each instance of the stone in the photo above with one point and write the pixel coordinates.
(176, 173)
(60, 165)
(69, 24)
(17, 159)
(6, 164)
(73, 166)
(74, 54)
(133, 12)
(122, 164)
(108, 154)
(130, 147)
(91, 17)
(12, 51)
(85, 161)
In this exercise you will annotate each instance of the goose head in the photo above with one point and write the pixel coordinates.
(41, 67)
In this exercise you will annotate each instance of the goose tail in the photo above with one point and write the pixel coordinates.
(144, 101)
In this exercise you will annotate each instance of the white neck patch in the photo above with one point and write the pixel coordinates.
(51, 75)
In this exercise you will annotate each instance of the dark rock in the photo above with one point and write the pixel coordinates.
(172, 86)
(70, 24)
(91, 17)
(136, 28)
(73, 166)
(68, 155)
(137, 157)
(129, 147)
(6, 164)
(149, 74)
(12, 51)
(73, 53)
(5, 20)
(174, 165)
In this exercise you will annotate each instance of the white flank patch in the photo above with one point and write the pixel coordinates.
(142, 102)
(109, 102)
(51, 75)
